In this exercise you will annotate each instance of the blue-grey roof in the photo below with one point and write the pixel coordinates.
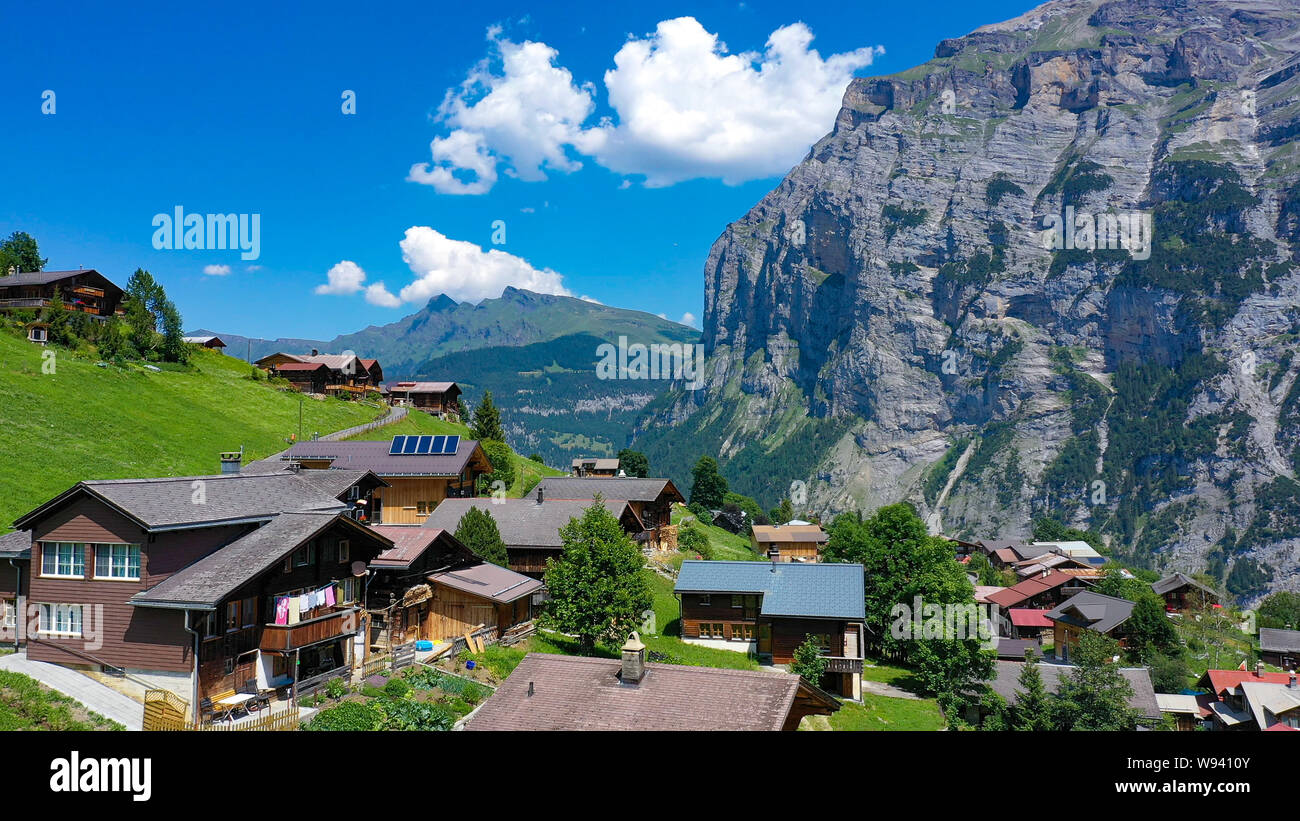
(826, 591)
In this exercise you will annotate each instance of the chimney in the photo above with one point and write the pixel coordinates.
(294, 467)
(541, 494)
(315, 352)
(775, 555)
(1291, 684)
(531, 690)
(231, 461)
(633, 660)
(1259, 669)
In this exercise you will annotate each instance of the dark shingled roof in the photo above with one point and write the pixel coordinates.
(207, 581)
(522, 522)
(374, 456)
(1272, 639)
(829, 591)
(488, 581)
(410, 542)
(1006, 683)
(16, 545)
(46, 277)
(575, 693)
(1176, 581)
(173, 502)
(630, 488)
(1093, 611)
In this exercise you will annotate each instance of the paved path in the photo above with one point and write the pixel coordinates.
(99, 698)
(396, 414)
(880, 688)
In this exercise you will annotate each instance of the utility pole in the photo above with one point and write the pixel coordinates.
(300, 418)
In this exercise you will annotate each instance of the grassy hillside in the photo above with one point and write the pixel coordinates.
(87, 422)
(527, 472)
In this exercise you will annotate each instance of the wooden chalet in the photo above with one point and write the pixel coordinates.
(85, 290)
(1280, 648)
(442, 399)
(530, 528)
(652, 501)
(1183, 593)
(418, 471)
(344, 375)
(1087, 611)
(596, 468)
(204, 585)
(430, 586)
(789, 543)
(550, 692)
(772, 607)
(213, 343)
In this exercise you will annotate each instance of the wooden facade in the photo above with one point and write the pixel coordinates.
(410, 499)
(86, 291)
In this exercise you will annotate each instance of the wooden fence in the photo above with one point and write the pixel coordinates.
(395, 414)
(488, 635)
(164, 711)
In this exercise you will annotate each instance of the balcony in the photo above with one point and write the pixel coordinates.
(283, 637)
(840, 664)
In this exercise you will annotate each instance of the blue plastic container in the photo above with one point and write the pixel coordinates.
(469, 665)
(424, 644)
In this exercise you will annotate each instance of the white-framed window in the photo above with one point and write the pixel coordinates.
(304, 556)
(60, 619)
(65, 560)
(8, 614)
(706, 600)
(345, 550)
(117, 561)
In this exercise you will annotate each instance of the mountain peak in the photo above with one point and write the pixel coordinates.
(440, 303)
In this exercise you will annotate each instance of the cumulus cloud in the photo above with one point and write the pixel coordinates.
(466, 272)
(685, 108)
(688, 318)
(378, 294)
(216, 270)
(344, 278)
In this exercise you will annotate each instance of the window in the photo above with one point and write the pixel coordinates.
(350, 588)
(304, 556)
(61, 619)
(706, 600)
(208, 627)
(65, 559)
(248, 612)
(232, 616)
(737, 601)
(424, 508)
(742, 632)
(822, 641)
(8, 615)
(117, 561)
(345, 550)
(711, 630)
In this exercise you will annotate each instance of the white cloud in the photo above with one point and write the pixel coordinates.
(252, 269)
(378, 294)
(466, 272)
(688, 318)
(216, 270)
(344, 278)
(686, 108)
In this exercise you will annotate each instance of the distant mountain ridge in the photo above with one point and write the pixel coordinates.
(444, 326)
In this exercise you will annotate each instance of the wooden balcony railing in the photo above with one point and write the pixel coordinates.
(840, 664)
(282, 637)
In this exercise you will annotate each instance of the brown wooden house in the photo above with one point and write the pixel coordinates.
(85, 290)
(344, 375)
(1088, 611)
(771, 608)
(651, 499)
(596, 468)
(418, 471)
(789, 543)
(442, 399)
(430, 586)
(530, 528)
(201, 585)
(15, 576)
(1182, 593)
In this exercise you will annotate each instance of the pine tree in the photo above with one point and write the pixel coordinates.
(478, 531)
(1033, 710)
(708, 487)
(487, 420)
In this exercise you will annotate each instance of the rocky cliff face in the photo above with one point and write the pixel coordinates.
(1053, 271)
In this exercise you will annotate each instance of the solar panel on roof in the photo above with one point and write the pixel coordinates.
(438, 443)
(424, 446)
(412, 442)
(398, 441)
(451, 445)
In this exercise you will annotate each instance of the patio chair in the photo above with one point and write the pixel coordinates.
(207, 711)
(259, 699)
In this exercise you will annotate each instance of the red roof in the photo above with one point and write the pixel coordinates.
(1027, 617)
(300, 366)
(1221, 680)
(1029, 588)
(1280, 728)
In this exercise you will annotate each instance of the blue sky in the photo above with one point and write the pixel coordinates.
(222, 111)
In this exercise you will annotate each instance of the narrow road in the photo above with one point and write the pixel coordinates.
(96, 697)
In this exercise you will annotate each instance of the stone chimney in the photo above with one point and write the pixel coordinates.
(633, 660)
(232, 461)
(1259, 669)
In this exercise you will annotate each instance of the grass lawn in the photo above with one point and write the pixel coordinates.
(882, 713)
(726, 545)
(527, 472)
(26, 704)
(886, 673)
(114, 423)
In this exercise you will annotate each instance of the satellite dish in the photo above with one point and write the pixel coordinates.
(358, 568)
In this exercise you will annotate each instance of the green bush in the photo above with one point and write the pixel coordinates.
(396, 688)
(417, 715)
(336, 688)
(691, 540)
(350, 716)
